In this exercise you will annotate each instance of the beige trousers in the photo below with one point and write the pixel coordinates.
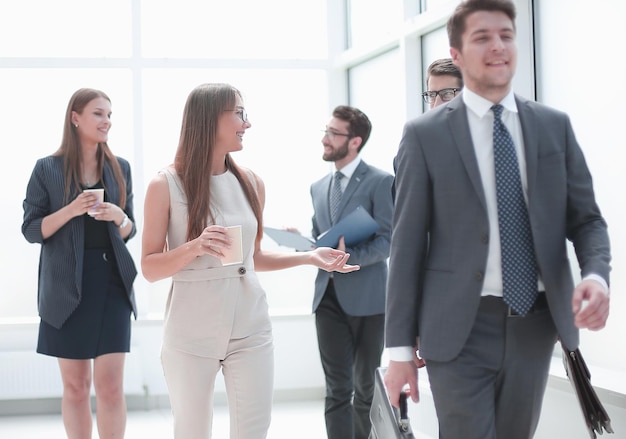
(248, 371)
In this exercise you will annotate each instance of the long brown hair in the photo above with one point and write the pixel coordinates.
(194, 155)
(72, 153)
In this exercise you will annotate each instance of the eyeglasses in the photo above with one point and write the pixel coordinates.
(446, 94)
(241, 113)
(332, 134)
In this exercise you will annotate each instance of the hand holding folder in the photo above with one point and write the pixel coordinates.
(355, 228)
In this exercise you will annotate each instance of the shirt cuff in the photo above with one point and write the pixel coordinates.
(598, 279)
(401, 353)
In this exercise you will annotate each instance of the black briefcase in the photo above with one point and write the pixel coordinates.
(596, 417)
(387, 421)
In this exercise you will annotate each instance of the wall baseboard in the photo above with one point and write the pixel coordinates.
(50, 406)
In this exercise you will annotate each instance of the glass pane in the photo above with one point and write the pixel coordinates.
(65, 28)
(432, 4)
(383, 105)
(283, 147)
(373, 20)
(434, 46)
(234, 30)
(32, 115)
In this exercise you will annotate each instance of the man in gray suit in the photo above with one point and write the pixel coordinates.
(349, 308)
(448, 296)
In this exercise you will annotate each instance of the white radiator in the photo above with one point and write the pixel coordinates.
(28, 375)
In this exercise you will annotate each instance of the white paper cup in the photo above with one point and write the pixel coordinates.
(234, 254)
(100, 194)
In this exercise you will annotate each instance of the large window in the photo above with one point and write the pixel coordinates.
(371, 21)
(382, 104)
(65, 28)
(147, 56)
(245, 29)
(294, 60)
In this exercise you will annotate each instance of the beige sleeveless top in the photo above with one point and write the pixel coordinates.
(209, 304)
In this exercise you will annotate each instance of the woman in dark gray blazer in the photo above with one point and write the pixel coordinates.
(85, 295)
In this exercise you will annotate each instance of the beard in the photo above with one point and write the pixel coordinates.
(337, 153)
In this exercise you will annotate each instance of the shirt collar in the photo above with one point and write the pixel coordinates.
(481, 106)
(349, 169)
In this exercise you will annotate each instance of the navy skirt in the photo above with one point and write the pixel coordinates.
(101, 322)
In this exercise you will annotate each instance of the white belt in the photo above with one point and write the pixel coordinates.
(210, 273)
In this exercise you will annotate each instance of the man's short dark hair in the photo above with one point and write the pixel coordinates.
(359, 123)
(456, 23)
(443, 67)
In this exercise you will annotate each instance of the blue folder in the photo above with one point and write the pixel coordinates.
(355, 228)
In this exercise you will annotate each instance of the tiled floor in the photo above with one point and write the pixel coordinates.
(301, 419)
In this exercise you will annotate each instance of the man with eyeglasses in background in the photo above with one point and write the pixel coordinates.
(443, 82)
(349, 309)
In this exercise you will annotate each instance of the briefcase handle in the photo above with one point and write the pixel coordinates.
(404, 422)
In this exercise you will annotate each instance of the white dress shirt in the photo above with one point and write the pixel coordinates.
(347, 172)
(480, 118)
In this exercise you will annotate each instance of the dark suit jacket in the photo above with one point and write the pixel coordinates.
(360, 293)
(61, 257)
(441, 229)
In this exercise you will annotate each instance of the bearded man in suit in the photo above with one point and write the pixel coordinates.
(349, 308)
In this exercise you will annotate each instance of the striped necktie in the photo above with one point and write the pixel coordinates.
(335, 197)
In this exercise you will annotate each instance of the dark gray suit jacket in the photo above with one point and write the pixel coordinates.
(61, 257)
(360, 293)
(441, 229)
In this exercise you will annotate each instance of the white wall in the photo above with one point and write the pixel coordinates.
(298, 375)
(580, 70)
(31, 383)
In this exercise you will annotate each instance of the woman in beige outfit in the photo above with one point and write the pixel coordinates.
(217, 315)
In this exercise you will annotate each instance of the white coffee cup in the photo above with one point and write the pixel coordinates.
(100, 194)
(234, 254)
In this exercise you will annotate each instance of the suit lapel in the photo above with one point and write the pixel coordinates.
(113, 193)
(78, 231)
(353, 185)
(528, 122)
(456, 113)
(325, 186)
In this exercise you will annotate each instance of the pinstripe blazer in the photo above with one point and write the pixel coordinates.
(61, 258)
